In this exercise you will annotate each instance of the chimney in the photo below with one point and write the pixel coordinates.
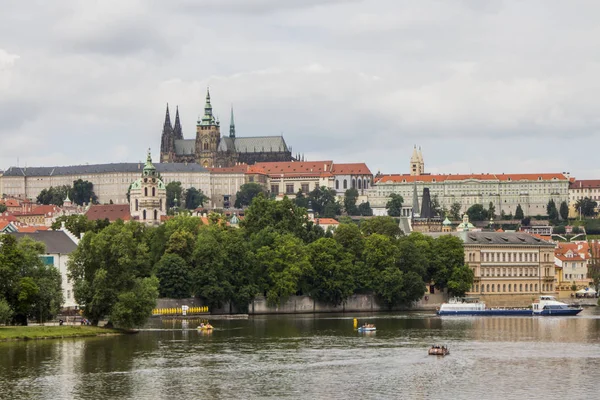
(62, 226)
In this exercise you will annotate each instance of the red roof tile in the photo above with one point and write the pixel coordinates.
(405, 178)
(585, 184)
(31, 229)
(351, 169)
(303, 168)
(111, 211)
(240, 169)
(326, 221)
(46, 209)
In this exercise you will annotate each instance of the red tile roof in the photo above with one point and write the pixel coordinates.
(31, 229)
(580, 251)
(301, 168)
(239, 169)
(111, 211)
(46, 209)
(460, 177)
(585, 184)
(326, 221)
(10, 203)
(3, 224)
(351, 169)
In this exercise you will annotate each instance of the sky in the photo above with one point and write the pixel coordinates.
(481, 86)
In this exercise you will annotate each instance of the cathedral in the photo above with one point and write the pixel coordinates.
(210, 150)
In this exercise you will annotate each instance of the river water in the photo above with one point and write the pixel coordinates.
(317, 357)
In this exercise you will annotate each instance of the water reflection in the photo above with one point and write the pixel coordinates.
(315, 356)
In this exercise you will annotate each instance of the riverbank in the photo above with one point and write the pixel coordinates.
(53, 332)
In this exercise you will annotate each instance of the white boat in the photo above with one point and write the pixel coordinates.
(548, 305)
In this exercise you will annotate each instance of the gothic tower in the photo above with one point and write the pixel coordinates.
(177, 131)
(232, 126)
(208, 133)
(417, 166)
(167, 142)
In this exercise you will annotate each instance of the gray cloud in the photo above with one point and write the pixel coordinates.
(482, 86)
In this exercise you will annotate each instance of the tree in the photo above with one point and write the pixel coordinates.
(381, 225)
(350, 238)
(455, 211)
(552, 211)
(394, 205)
(174, 191)
(586, 207)
(247, 193)
(331, 210)
(174, 275)
(280, 216)
(477, 213)
(31, 289)
(324, 202)
(107, 264)
(301, 200)
(76, 224)
(2, 208)
(519, 213)
(460, 281)
(53, 195)
(350, 197)
(564, 211)
(194, 198)
(365, 209)
(5, 311)
(436, 207)
(134, 306)
(329, 274)
(83, 192)
(491, 211)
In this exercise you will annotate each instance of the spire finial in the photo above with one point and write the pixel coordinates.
(149, 158)
(232, 125)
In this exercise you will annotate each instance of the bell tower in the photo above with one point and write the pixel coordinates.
(208, 133)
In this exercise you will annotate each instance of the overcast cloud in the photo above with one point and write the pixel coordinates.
(481, 86)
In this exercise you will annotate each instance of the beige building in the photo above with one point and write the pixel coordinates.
(508, 264)
(580, 189)
(226, 182)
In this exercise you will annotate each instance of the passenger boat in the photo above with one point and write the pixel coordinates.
(438, 351)
(546, 305)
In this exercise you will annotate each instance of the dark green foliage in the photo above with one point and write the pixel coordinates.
(477, 213)
(174, 274)
(2, 208)
(324, 202)
(350, 197)
(83, 193)
(174, 194)
(455, 211)
(552, 211)
(78, 224)
(301, 200)
(53, 195)
(194, 198)
(586, 207)
(247, 193)
(365, 210)
(394, 205)
(519, 212)
(31, 289)
(383, 225)
(133, 306)
(564, 211)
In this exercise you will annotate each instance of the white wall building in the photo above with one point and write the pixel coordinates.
(148, 196)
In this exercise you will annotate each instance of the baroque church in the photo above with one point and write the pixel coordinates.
(211, 150)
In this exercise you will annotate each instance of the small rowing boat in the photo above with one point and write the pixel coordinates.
(438, 351)
(367, 328)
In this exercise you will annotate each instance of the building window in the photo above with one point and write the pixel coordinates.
(289, 188)
(520, 287)
(337, 184)
(504, 287)
(275, 189)
(359, 184)
(153, 192)
(345, 184)
(353, 183)
(155, 215)
(136, 204)
(205, 146)
(305, 188)
(68, 294)
(144, 215)
(159, 205)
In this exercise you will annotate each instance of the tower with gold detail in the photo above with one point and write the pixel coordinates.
(148, 196)
(208, 133)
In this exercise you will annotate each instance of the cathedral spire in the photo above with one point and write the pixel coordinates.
(208, 118)
(167, 133)
(177, 132)
(232, 125)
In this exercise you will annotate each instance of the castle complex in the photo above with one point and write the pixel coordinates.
(211, 150)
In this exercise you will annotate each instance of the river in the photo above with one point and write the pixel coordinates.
(317, 357)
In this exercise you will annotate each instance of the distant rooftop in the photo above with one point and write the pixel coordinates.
(101, 168)
(497, 238)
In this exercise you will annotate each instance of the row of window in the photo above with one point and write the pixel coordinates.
(160, 206)
(509, 271)
(508, 257)
(575, 276)
(512, 288)
(356, 184)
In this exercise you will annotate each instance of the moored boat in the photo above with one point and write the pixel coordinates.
(205, 327)
(438, 351)
(546, 305)
(367, 328)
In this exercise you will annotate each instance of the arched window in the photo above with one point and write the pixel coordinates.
(487, 287)
(504, 287)
(353, 183)
(509, 287)
(144, 215)
(155, 215)
(345, 184)
(365, 184)
(136, 204)
(145, 191)
(337, 184)
(359, 184)
(205, 146)
(160, 205)
(536, 287)
(153, 192)
(520, 287)
(493, 287)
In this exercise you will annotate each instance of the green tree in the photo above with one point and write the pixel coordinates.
(247, 193)
(395, 287)
(329, 274)
(350, 197)
(436, 207)
(83, 192)
(382, 225)
(134, 306)
(394, 205)
(564, 211)
(552, 211)
(2, 208)
(455, 211)
(6, 311)
(194, 198)
(31, 288)
(491, 211)
(282, 216)
(365, 209)
(76, 224)
(324, 202)
(461, 281)
(477, 213)
(174, 191)
(106, 264)
(519, 213)
(586, 207)
(53, 195)
(350, 238)
(301, 200)
(174, 275)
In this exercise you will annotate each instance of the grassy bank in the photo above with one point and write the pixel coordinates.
(52, 332)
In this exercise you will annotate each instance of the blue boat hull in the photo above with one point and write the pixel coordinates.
(558, 313)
